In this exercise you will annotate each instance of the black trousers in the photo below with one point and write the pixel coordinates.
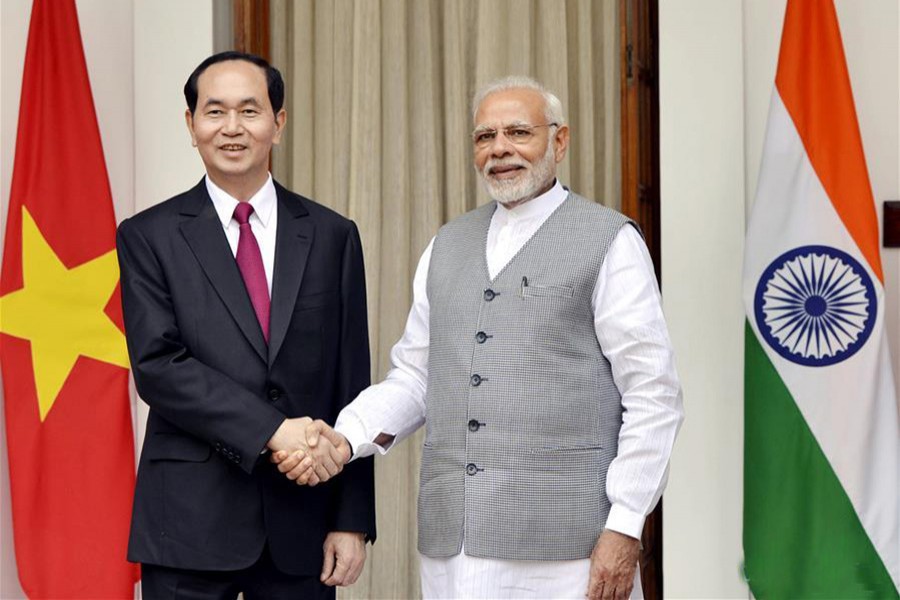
(261, 581)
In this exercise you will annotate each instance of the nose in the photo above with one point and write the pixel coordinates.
(500, 145)
(232, 125)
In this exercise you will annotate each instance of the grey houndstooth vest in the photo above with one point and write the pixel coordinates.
(523, 415)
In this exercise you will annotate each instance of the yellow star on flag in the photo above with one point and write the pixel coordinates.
(61, 312)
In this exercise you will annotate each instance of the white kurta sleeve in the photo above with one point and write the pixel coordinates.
(629, 323)
(396, 406)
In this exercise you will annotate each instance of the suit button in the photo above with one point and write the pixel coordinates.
(274, 394)
(475, 380)
(489, 295)
(474, 425)
(237, 458)
(471, 469)
(481, 337)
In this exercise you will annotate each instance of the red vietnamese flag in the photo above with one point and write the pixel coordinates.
(62, 347)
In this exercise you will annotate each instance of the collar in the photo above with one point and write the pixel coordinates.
(537, 208)
(263, 202)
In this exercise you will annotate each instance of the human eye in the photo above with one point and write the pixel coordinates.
(214, 112)
(519, 133)
(484, 137)
(250, 112)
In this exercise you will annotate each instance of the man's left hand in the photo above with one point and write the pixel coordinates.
(613, 562)
(345, 555)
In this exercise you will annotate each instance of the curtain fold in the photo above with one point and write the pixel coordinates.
(378, 100)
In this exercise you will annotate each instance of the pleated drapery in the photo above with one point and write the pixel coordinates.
(379, 123)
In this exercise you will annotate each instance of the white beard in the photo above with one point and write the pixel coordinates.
(524, 187)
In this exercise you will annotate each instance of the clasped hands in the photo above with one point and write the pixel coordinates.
(308, 452)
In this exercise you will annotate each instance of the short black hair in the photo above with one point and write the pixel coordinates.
(274, 82)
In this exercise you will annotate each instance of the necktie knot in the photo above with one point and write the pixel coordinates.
(242, 212)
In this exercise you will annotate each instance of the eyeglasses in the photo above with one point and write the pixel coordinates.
(517, 134)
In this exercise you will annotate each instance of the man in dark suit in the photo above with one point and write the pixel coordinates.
(245, 315)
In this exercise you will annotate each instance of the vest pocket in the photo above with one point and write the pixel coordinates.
(552, 450)
(532, 290)
(558, 504)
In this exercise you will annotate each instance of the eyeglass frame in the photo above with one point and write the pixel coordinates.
(526, 126)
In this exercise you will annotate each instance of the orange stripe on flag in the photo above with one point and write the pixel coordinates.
(814, 86)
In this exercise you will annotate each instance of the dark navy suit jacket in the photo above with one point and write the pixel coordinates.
(205, 498)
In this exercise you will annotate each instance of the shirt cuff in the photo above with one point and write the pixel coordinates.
(355, 432)
(625, 521)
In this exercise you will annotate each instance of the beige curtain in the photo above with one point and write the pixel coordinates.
(379, 119)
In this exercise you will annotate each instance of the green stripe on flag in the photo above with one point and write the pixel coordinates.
(802, 537)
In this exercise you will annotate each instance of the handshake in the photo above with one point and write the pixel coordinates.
(308, 452)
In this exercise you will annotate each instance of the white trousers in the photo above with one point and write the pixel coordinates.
(464, 576)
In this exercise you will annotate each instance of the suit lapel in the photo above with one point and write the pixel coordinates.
(207, 240)
(293, 241)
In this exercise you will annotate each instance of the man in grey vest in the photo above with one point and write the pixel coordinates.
(537, 357)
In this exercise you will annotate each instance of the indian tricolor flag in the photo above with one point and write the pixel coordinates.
(821, 506)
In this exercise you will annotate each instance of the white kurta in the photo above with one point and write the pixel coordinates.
(632, 333)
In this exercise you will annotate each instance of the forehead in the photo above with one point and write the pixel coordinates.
(508, 106)
(232, 76)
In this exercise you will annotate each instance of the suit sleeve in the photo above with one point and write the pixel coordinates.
(196, 398)
(355, 490)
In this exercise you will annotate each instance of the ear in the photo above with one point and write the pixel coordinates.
(561, 142)
(189, 121)
(280, 122)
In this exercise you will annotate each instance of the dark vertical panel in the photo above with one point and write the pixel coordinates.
(640, 189)
(251, 27)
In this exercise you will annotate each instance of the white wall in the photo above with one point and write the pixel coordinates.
(139, 54)
(168, 44)
(717, 69)
(702, 177)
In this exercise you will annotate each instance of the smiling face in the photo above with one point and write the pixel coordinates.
(514, 173)
(234, 126)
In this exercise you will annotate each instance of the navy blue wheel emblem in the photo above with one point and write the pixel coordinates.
(815, 305)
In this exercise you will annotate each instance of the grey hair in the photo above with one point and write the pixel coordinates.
(553, 110)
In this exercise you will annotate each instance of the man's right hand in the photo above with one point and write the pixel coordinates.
(324, 455)
(290, 435)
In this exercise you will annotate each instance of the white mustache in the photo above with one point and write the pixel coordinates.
(492, 164)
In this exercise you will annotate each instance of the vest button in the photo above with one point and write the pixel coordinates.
(274, 394)
(474, 425)
(489, 294)
(471, 469)
(475, 380)
(481, 337)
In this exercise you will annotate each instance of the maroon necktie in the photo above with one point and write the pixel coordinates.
(249, 261)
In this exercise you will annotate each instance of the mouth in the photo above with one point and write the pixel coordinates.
(505, 171)
(232, 147)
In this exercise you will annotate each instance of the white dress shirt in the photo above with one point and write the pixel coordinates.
(632, 333)
(263, 221)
